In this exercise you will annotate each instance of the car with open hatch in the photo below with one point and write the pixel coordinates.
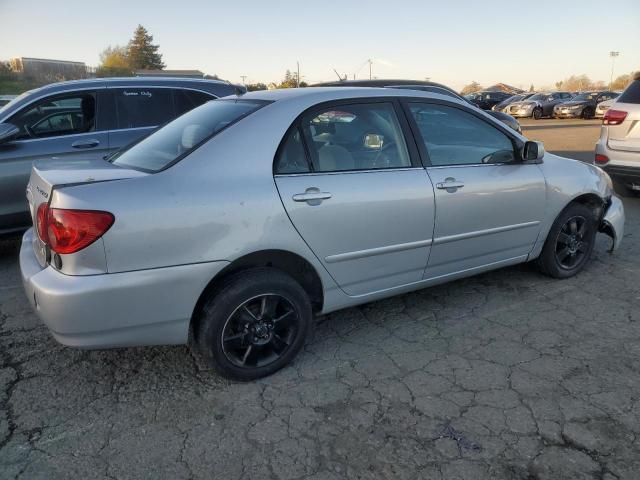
(232, 226)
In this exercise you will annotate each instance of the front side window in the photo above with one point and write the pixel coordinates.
(57, 116)
(455, 137)
(183, 135)
(355, 137)
(142, 107)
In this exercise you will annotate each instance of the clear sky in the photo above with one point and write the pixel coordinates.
(450, 41)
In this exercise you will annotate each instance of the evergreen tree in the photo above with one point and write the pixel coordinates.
(142, 53)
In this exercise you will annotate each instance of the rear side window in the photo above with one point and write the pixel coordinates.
(177, 139)
(186, 100)
(631, 93)
(355, 137)
(143, 107)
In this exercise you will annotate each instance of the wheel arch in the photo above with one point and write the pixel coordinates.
(294, 265)
(592, 200)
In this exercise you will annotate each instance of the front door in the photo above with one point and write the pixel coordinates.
(63, 126)
(354, 190)
(489, 205)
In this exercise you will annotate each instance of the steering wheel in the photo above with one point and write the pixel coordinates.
(29, 131)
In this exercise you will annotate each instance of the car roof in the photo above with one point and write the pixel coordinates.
(319, 94)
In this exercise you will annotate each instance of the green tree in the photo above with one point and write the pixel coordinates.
(471, 88)
(142, 53)
(114, 61)
(531, 89)
(289, 80)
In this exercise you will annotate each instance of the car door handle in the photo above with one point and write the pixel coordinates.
(85, 143)
(312, 196)
(449, 184)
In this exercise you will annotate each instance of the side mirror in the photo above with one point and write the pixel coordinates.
(533, 152)
(7, 132)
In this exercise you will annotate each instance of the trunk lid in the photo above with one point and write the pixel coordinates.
(626, 136)
(47, 175)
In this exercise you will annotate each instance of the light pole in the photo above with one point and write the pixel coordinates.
(370, 63)
(243, 77)
(613, 56)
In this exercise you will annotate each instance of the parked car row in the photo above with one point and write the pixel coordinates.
(556, 104)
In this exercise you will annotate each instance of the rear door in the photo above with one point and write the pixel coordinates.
(352, 186)
(64, 126)
(626, 135)
(489, 205)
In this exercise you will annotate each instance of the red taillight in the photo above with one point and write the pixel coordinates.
(68, 231)
(41, 221)
(614, 117)
(601, 159)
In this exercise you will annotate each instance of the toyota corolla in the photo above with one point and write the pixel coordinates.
(233, 225)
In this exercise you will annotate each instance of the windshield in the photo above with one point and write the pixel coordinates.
(585, 96)
(180, 137)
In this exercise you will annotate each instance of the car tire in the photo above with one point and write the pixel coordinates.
(568, 247)
(254, 325)
(537, 113)
(588, 113)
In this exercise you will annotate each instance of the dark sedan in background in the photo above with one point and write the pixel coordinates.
(582, 105)
(432, 87)
(487, 99)
(86, 120)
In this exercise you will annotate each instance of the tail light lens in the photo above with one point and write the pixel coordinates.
(41, 221)
(614, 117)
(69, 231)
(601, 159)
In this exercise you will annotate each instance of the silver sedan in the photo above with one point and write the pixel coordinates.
(235, 224)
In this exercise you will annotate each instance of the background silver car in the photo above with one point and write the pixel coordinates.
(243, 218)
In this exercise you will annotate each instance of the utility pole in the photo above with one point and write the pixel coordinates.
(370, 63)
(243, 77)
(298, 75)
(613, 56)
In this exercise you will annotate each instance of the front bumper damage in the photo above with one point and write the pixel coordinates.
(612, 223)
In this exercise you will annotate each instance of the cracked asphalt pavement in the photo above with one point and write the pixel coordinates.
(507, 375)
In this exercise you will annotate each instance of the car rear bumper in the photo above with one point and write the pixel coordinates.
(623, 166)
(144, 307)
(613, 222)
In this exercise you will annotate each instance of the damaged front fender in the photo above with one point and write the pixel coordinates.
(613, 222)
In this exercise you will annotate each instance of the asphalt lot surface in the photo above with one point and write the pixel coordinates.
(507, 375)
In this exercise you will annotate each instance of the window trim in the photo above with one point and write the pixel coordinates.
(53, 97)
(518, 145)
(412, 150)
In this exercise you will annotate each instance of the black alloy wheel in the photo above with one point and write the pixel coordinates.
(260, 331)
(572, 243)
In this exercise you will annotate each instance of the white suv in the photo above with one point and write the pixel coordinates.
(618, 149)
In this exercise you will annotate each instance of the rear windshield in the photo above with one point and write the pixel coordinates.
(180, 137)
(631, 94)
